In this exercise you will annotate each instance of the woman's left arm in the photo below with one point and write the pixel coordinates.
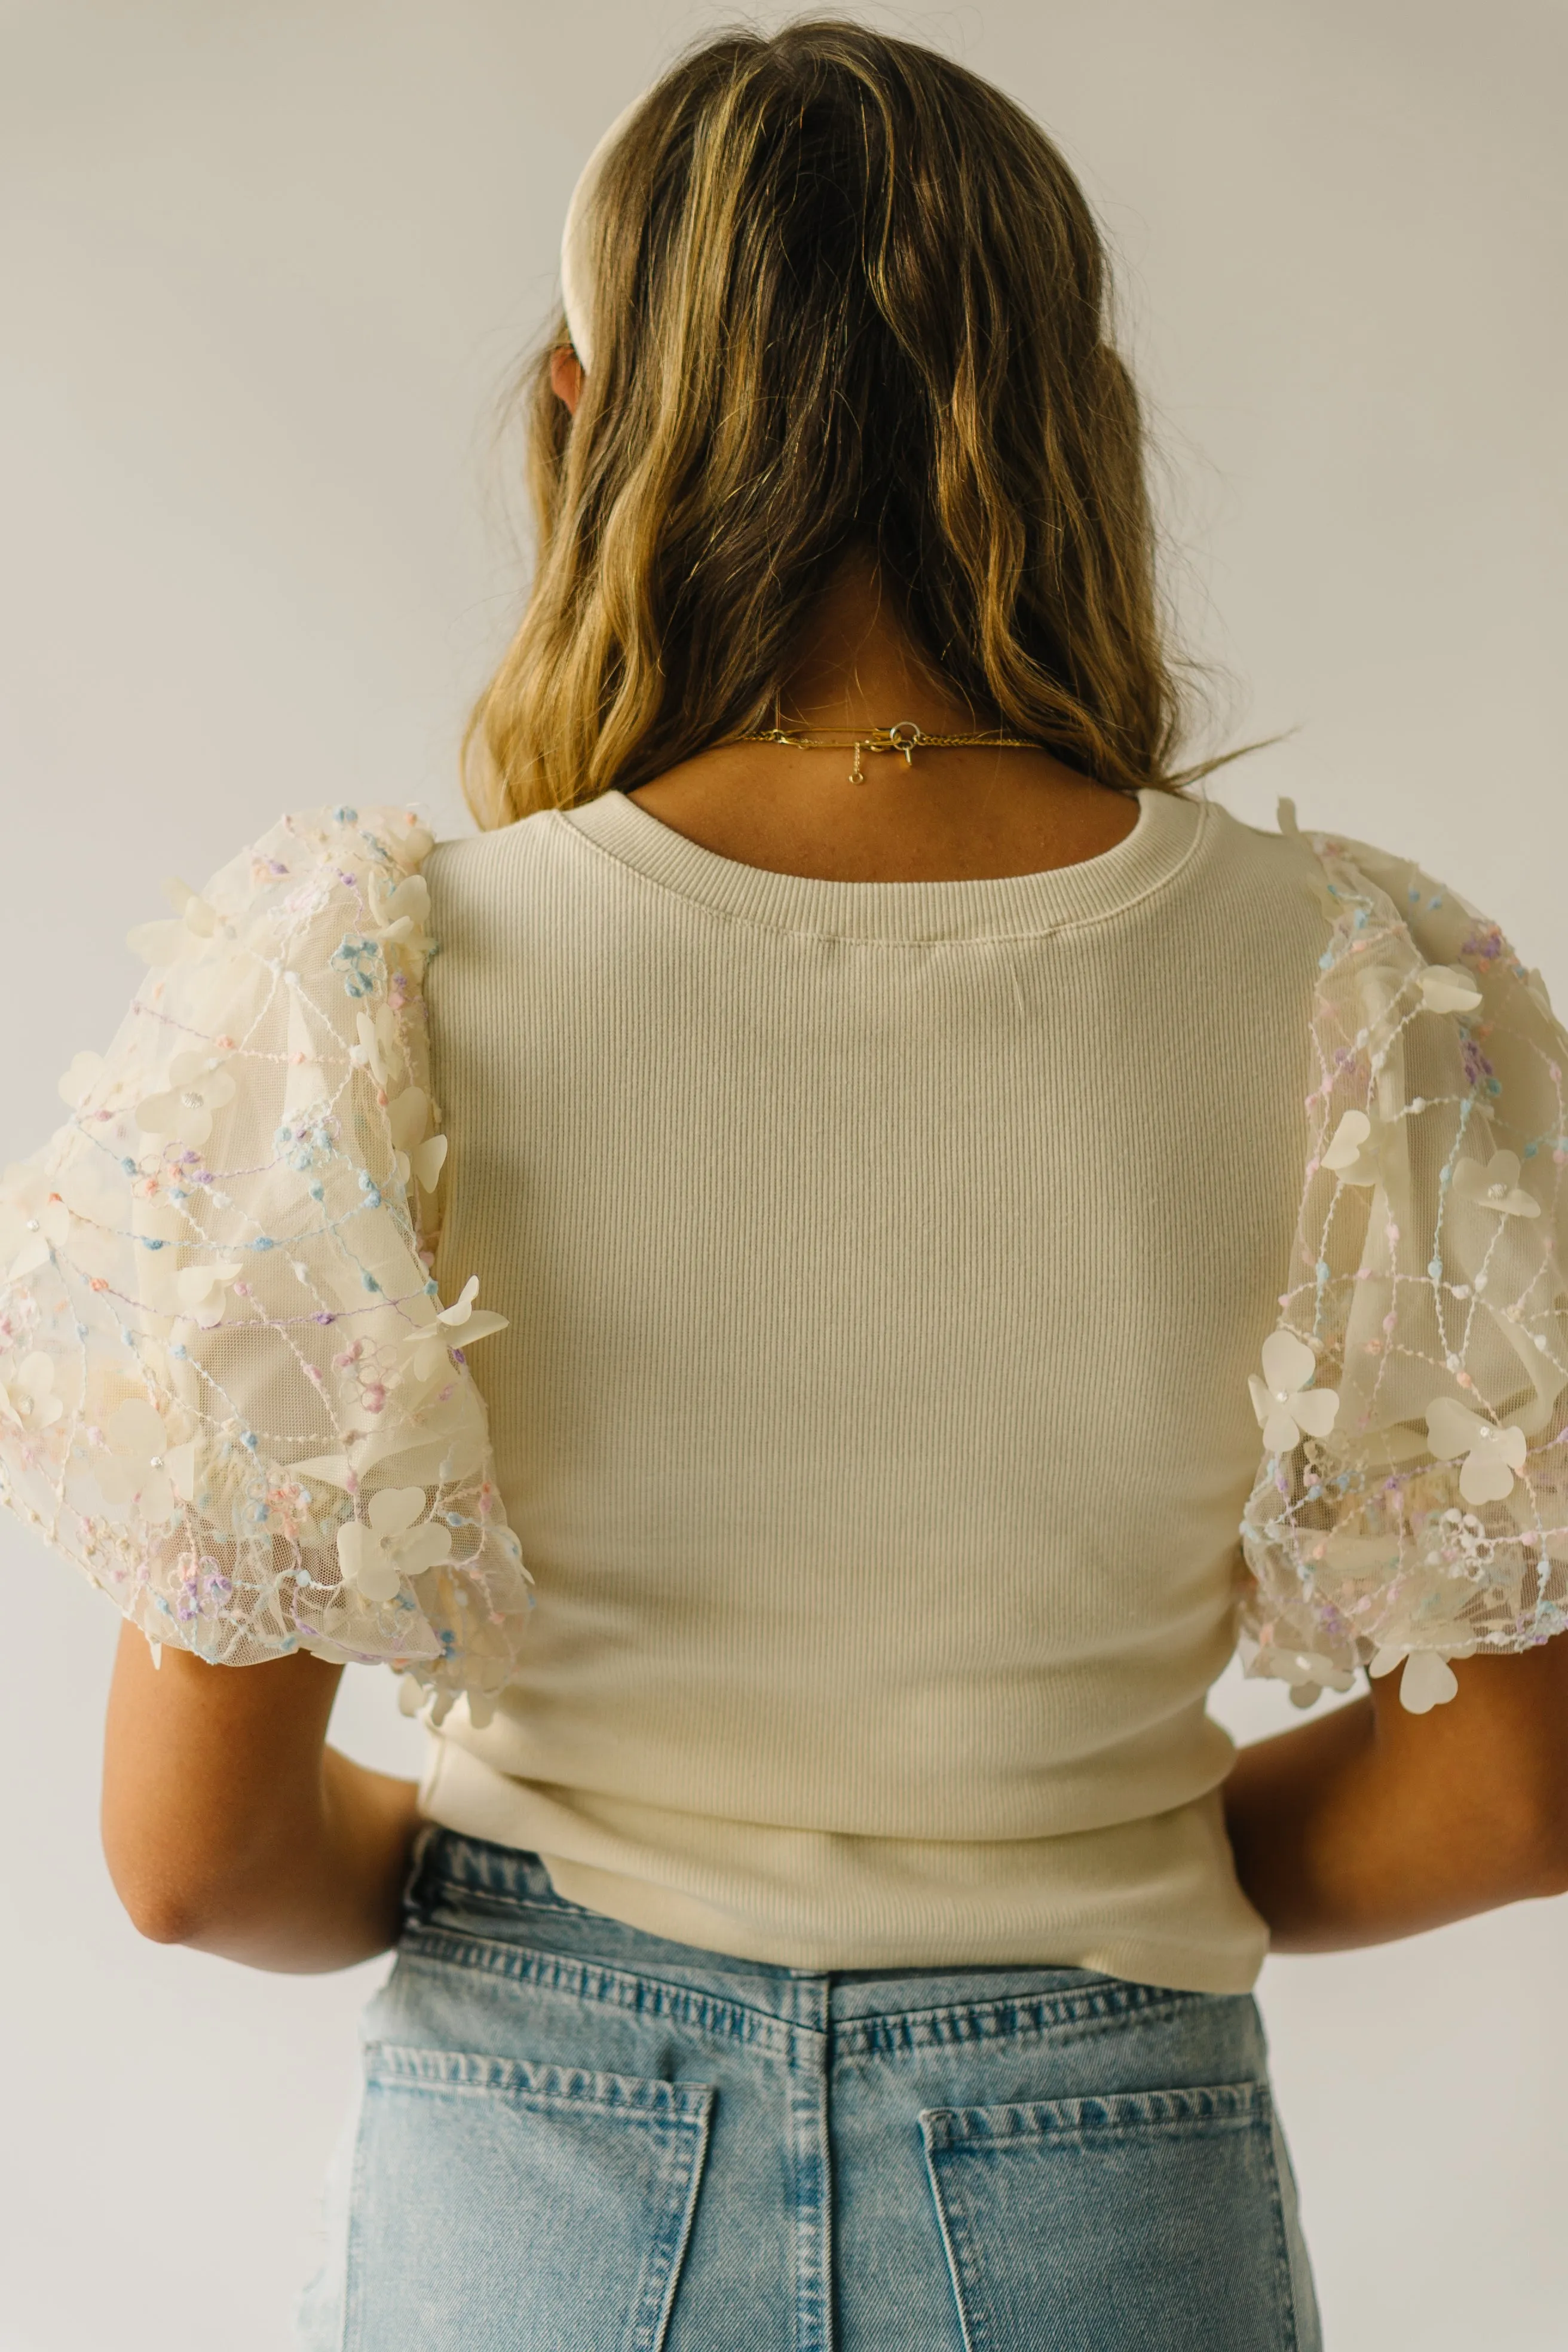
(230, 1825)
(1374, 1823)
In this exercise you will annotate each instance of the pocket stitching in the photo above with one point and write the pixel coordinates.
(1239, 2107)
(528, 2080)
(687, 2151)
(675, 2117)
(717, 2019)
(961, 2242)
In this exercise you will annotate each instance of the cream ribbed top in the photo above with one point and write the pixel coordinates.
(884, 1261)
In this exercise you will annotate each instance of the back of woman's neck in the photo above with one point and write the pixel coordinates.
(948, 815)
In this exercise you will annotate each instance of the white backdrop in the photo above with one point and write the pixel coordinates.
(262, 269)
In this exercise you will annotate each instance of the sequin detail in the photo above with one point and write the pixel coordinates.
(228, 1389)
(1422, 1515)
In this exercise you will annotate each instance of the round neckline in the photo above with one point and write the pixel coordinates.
(1015, 906)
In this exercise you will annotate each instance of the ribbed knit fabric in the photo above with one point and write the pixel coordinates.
(885, 1264)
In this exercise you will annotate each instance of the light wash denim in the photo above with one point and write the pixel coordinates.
(577, 2137)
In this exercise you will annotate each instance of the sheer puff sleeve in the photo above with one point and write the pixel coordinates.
(229, 1390)
(1412, 1503)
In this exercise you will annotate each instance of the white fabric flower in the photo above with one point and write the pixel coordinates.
(409, 1114)
(27, 1393)
(198, 1086)
(1446, 989)
(413, 1152)
(1429, 1679)
(377, 1556)
(399, 913)
(224, 1542)
(1494, 1185)
(166, 942)
(200, 1289)
(1493, 1456)
(1306, 1673)
(77, 1085)
(1349, 1154)
(378, 1049)
(424, 1162)
(34, 1220)
(457, 1326)
(1287, 1408)
(140, 1470)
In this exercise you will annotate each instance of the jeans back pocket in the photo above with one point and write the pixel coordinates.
(1149, 2219)
(497, 2203)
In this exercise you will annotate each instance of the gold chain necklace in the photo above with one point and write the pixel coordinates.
(905, 735)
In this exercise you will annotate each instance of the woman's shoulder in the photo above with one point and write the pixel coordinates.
(477, 880)
(1347, 878)
(1367, 890)
(472, 861)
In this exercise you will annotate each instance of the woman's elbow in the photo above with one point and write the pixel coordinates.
(169, 1897)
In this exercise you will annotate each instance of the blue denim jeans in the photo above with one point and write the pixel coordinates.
(577, 2137)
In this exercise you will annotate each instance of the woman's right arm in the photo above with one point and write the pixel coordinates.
(1374, 1823)
(230, 1825)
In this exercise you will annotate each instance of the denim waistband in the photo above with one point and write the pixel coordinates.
(463, 1891)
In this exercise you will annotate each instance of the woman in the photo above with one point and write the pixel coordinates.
(873, 1093)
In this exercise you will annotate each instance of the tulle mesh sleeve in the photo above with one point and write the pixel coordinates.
(1412, 1504)
(228, 1389)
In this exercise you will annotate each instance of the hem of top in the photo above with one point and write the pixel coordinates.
(1134, 1960)
(761, 899)
(1169, 1965)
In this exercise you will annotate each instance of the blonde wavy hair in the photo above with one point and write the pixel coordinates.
(849, 297)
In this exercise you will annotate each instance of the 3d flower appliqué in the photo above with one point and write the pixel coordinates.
(1433, 1525)
(77, 1083)
(1444, 988)
(198, 1086)
(378, 1050)
(166, 942)
(1493, 1456)
(393, 1541)
(457, 1326)
(1286, 1407)
(1429, 1679)
(140, 1469)
(399, 912)
(1494, 1185)
(209, 1275)
(1351, 1154)
(415, 1153)
(34, 1220)
(27, 1394)
(201, 1290)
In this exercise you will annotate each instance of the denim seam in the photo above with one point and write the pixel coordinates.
(656, 2102)
(1060, 2020)
(728, 2021)
(1284, 2282)
(1015, 2123)
(957, 2248)
(809, 2109)
(687, 2157)
(1097, 2136)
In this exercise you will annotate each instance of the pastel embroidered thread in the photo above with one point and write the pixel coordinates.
(1426, 1517)
(228, 1389)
